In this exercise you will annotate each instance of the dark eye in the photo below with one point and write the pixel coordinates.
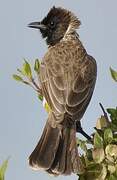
(52, 24)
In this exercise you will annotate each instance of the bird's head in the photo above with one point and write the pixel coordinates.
(56, 24)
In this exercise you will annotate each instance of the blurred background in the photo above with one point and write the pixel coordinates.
(22, 116)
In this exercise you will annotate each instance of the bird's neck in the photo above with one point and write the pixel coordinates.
(73, 35)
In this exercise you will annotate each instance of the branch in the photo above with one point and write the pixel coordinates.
(104, 112)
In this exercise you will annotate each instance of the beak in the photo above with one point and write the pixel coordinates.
(37, 25)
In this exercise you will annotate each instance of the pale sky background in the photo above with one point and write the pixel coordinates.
(22, 116)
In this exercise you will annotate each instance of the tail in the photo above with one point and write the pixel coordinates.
(56, 151)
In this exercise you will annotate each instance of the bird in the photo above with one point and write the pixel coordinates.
(67, 79)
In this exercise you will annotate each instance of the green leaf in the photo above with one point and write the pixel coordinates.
(40, 97)
(92, 167)
(82, 158)
(19, 71)
(25, 82)
(111, 152)
(112, 111)
(93, 171)
(108, 135)
(37, 66)
(113, 74)
(114, 141)
(111, 168)
(82, 144)
(89, 155)
(26, 70)
(113, 127)
(103, 173)
(81, 177)
(17, 78)
(112, 177)
(98, 141)
(113, 115)
(101, 123)
(98, 155)
(115, 170)
(46, 105)
(3, 168)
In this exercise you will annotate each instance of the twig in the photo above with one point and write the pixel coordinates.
(105, 114)
(37, 87)
(29, 83)
(81, 131)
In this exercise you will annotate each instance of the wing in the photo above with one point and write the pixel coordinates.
(67, 87)
(82, 88)
(53, 84)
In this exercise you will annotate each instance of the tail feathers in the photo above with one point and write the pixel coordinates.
(67, 160)
(62, 159)
(43, 155)
(56, 151)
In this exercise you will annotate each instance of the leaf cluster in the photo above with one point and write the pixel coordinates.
(100, 161)
(26, 75)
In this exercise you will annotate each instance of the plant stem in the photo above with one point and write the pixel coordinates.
(37, 87)
(105, 114)
(81, 131)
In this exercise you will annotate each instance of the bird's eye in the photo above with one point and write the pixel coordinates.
(52, 24)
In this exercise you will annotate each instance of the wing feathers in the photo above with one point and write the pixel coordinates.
(67, 89)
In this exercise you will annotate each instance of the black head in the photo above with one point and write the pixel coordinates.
(54, 26)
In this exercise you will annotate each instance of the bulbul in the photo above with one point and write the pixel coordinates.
(67, 76)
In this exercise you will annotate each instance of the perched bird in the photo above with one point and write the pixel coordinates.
(67, 76)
